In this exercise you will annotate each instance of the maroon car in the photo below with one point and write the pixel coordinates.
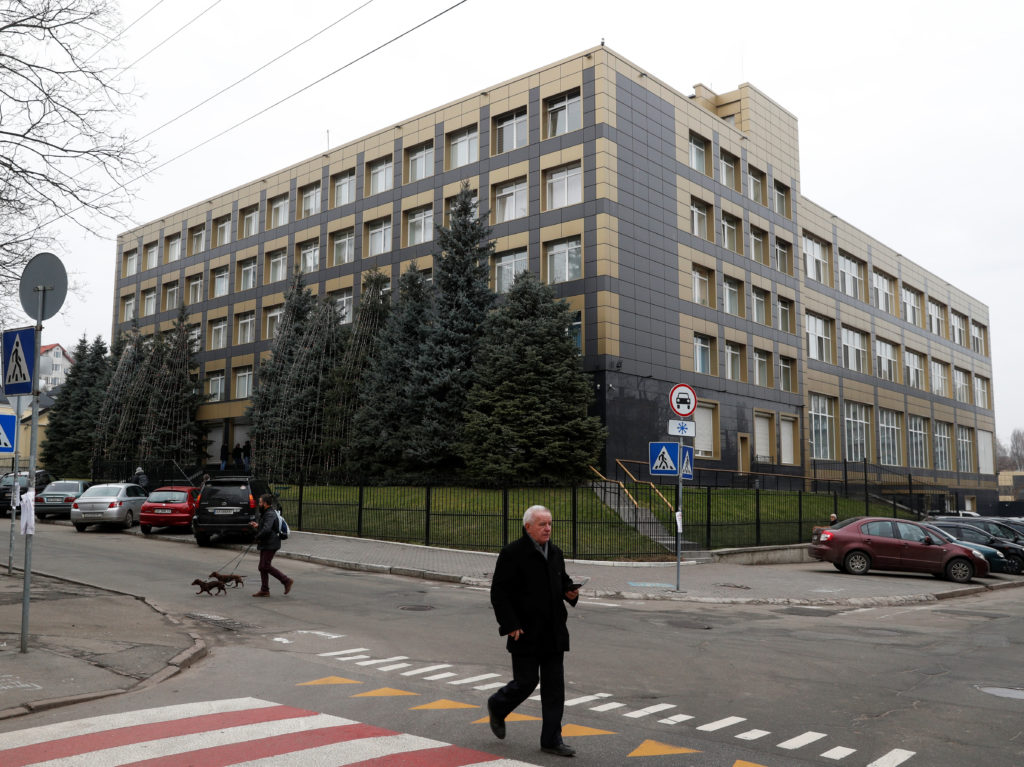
(171, 506)
(859, 544)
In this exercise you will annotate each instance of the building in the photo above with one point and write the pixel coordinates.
(676, 228)
(54, 364)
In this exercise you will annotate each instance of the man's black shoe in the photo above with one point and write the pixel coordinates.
(562, 749)
(496, 722)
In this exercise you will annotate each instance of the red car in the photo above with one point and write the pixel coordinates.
(171, 506)
(859, 544)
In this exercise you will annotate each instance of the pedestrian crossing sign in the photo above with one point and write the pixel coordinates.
(19, 348)
(664, 458)
(8, 423)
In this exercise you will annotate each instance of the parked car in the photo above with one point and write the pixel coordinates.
(996, 559)
(172, 506)
(43, 478)
(965, 530)
(858, 544)
(1000, 528)
(1014, 523)
(56, 498)
(227, 505)
(114, 503)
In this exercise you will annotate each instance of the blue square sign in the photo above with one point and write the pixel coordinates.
(664, 458)
(19, 351)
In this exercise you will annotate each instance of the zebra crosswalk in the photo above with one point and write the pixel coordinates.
(218, 733)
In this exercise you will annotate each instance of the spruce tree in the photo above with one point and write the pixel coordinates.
(526, 413)
(67, 433)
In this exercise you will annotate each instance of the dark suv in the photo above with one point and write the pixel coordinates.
(226, 507)
(963, 529)
(43, 478)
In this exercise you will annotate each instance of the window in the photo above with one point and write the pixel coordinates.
(917, 442)
(273, 321)
(150, 259)
(851, 276)
(379, 236)
(247, 274)
(702, 356)
(941, 446)
(148, 302)
(936, 318)
(730, 232)
(576, 331)
(195, 337)
(822, 414)
(735, 358)
(563, 114)
(789, 438)
(699, 218)
(961, 385)
(940, 378)
(910, 304)
(889, 438)
(727, 170)
(248, 221)
(463, 147)
(510, 200)
(913, 369)
(309, 200)
(128, 309)
(759, 245)
(886, 364)
(277, 266)
(981, 392)
(195, 289)
(781, 199)
(787, 374)
(215, 386)
(819, 338)
(883, 290)
(131, 263)
(703, 286)
(450, 201)
(172, 248)
(343, 304)
(979, 338)
(196, 240)
(786, 315)
(565, 261)
(958, 328)
(855, 350)
(382, 175)
(420, 161)
(218, 334)
(699, 154)
(705, 418)
(245, 325)
(343, 247)
(220, 282)
(757, 183)
(564, 186)
(762, 367)
(171, 296)
(510, 131)
(309, 256)
(344, 186)
(816, 257)
(221, 231)
(856, 428)
(420, 225)
(243, 382)
(507, 267)
(733, 297)
(762, 302)
(986, 464)
(964, 448)
(783, 256)
(277, 211)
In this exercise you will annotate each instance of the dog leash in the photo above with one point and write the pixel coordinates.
(236, 560)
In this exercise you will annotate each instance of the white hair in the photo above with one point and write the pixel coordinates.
(530, 512)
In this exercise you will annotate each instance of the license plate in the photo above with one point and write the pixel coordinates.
(53, 499)
(93, 514)
(161, 511)
(225, 511)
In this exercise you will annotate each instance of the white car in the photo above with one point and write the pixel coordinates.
(117, 503)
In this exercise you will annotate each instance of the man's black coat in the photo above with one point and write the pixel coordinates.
(528, 593)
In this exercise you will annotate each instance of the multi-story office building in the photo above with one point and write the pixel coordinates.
(674, 225)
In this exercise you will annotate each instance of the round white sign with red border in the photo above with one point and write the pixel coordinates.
(683, 400)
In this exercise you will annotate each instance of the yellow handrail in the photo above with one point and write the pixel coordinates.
(653, 487)
(628, 494)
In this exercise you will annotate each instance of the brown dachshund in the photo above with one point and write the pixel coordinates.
(207, 587)
(237, 580)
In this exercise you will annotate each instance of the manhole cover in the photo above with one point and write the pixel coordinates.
(225, 623)
(416, 608)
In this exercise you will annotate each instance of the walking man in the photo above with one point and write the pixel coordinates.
(528, 593)
(268, 542)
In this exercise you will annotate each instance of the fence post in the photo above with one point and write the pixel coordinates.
(835, 506)
(757, 517)
(867, 496)
(575, 539)
(846, 479)
(707, 524)
(504, 517)
(426, 522)
(359, 514)
(800, 511)
(302, 485)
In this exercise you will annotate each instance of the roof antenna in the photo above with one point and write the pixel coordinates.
(602, 42)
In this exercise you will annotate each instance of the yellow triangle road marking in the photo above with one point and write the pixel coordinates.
(330, 680)
(654, 748)
(741, 763)
(383, 692)
(443, 704)
(577, 730)
(513, 717)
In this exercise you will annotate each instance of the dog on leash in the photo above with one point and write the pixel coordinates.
(237, 580)
(208, 587)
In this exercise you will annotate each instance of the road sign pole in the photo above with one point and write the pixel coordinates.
(29, 525)
(679, 518)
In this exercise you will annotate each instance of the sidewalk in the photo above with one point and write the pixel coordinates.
(77, 656)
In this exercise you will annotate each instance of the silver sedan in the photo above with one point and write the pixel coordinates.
(111, 504)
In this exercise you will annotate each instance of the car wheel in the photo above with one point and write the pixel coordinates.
(146, 529)
(129, 520)
(959, 570)
(1016, 564)
(857, 563)
(80, 527)
(202, 539)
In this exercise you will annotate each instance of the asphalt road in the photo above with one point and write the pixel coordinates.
(929, 685)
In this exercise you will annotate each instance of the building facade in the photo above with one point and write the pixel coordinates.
(54, 363)
(674, 225)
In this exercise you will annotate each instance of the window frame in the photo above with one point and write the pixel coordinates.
(572, 256)
(569, 105)
(463, 147)
(514, 195)
(520, 130)
(505, 268)
(563, 186)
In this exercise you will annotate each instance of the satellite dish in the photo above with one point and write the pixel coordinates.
(44, 274)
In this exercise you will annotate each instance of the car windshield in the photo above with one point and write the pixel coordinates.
(167, 496)
(101, 491)
(62, 487)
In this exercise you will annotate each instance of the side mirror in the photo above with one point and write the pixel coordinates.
(928, 541)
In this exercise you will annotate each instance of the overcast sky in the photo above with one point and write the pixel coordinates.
(909, 115)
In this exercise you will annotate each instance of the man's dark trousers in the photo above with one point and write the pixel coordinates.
(524, 681)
